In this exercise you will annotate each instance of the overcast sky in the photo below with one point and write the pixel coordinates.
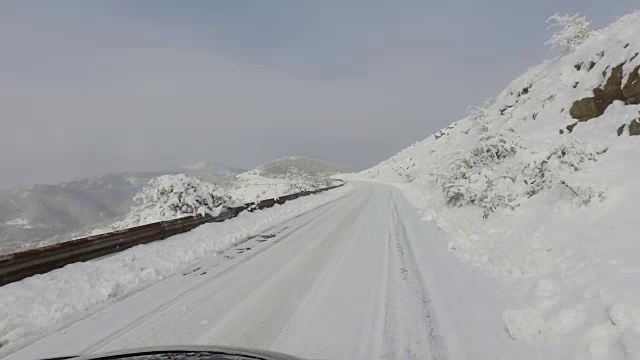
(90, 87)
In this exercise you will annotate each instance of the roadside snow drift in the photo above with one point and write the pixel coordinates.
(540, 188)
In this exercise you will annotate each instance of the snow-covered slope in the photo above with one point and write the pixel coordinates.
(313, 167)
(540, 188)
(283, 176)
(210, 171)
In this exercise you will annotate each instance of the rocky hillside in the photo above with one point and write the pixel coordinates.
(539, 188)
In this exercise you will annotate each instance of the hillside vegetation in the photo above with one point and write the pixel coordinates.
(539, 187)
(311, 167)
(44, 213)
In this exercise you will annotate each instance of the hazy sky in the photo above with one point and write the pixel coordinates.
(90, 87)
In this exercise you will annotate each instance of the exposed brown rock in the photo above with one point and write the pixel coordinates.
(634, 127)
(612, 88)
(584, 109)
(621, 129)
(592, 107)
(632, 88)
(633, 100)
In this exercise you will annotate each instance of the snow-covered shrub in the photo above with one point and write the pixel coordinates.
(575, 30)
(172, 196)
(469, 179)
(169, 197)
(303, 181)
(498, 173)
(480, 116)
(405, 169)
(494, 148)
(551, 168)
(499, 192)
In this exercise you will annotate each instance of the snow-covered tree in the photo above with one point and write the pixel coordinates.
(171, 196)
(573, 32)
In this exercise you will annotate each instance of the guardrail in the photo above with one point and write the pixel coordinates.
(20, 265)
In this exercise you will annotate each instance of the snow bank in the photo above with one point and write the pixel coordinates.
(544, 202)
(44, 303)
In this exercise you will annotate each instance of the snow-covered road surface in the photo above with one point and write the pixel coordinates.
(361, 277)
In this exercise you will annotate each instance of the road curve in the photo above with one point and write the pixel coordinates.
(341, 282)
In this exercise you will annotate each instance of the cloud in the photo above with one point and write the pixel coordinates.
(95, 87)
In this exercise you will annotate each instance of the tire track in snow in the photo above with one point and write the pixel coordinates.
(345, 285)
(410, 323)
(202, 285)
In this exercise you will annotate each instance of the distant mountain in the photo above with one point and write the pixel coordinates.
(37, 213)
(43, 214)
(204, 170)
(282, 167)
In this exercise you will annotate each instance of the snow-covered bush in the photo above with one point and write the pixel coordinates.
(552, 168)
(171, 196)
(480, 116)
(494, 148)
(468, 178)
(575, 30)
(490, 176)
(303, 181)
(405, 169)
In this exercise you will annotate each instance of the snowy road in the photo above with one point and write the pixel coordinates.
(360, 277)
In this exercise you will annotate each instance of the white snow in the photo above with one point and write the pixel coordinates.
(169, 197)
(65, 215)
(553, 216)
(283, 167)
(19, 222)
(360, 278)
(540, 259)
(43, 303)
(251, 186)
